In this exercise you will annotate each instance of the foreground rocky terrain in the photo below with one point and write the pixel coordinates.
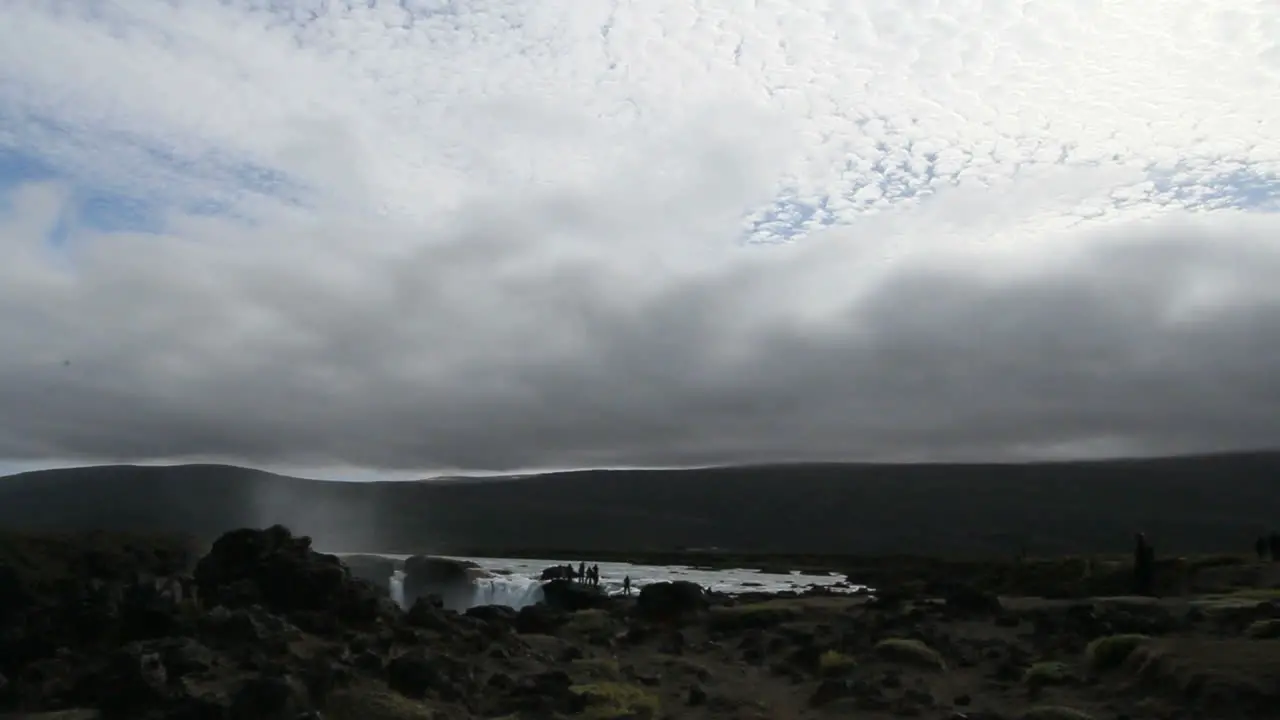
(261, 626)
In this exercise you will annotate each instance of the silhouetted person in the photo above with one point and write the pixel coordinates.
(626, 585)
(582, 572)
(1143, 560)
(1273, 543)
(1260, 546)
(595, 575)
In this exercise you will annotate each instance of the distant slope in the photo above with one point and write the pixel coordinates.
(1187, 503)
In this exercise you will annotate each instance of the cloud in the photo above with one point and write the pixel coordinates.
(500, 236)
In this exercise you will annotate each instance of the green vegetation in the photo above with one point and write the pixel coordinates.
(1044, 674)
(1109, 653)
(595, 669)
(833, 662)
(752, 615)
(616, 701)
(375, 703)
(910, 652)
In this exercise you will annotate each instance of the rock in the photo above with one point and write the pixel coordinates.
(965, 600)
(494, 615)
(426, 613)
(558, 572)
(538, 620)
(671, 601)
(572, 596)
(184, 656)
(134, 679)
(452, 580)
(374, 569)
(269, 698)
(828, 691)
(279, 571)
(419, 673)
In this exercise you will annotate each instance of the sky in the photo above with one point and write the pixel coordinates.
(392, 239)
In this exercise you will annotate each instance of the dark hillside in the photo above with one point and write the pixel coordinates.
(1207, 503)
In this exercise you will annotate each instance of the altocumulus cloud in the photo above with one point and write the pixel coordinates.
(498, 235)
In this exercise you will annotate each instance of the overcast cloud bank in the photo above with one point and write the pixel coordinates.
(423, 237)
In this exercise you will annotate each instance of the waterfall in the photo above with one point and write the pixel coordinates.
(397, 587)
(514, 592)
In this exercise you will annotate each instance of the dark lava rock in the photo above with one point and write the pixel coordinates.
(671, 601)
(538, 620)
(283, 574)
(965, 600)
(572, 596)
(269, 698)
(558, 572)
(420, 673)
(374, 569)
(429, 570)
(500, 615)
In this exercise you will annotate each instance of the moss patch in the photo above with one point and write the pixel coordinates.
(615, 701)
(1109, 653)
(595, 669)
(832, 662)
(375, 703)
(910, 652)
(1045, 674)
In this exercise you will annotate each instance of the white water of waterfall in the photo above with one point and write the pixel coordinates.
(397, 587)
(514, 592)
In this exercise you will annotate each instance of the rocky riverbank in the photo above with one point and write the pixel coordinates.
(262, 627)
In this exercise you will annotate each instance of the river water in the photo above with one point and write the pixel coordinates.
(515, 581)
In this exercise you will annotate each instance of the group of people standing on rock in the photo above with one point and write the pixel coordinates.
(589, 575)
(585, 575)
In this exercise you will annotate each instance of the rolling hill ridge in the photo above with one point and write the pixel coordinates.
(1198, 503)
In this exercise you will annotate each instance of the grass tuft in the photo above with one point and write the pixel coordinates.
(910, 652)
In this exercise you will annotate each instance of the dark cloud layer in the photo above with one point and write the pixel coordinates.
(579, 332)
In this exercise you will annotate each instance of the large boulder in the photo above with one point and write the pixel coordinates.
(558, 572)
(671, 601)
(374, 569)
(281, 572)
(573, 596)
(453, 581)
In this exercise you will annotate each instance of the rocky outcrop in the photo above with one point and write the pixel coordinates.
(453, 581)
(572, 596)
(671, 601)
(558, 572)
(280, 572)
(374, 569)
